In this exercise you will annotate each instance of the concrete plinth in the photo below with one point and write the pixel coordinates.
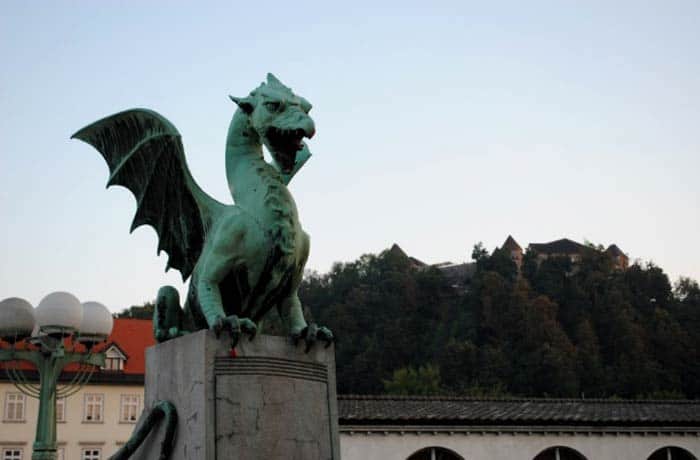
(271, 401)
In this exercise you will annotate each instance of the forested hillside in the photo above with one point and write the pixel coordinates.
(557, 330)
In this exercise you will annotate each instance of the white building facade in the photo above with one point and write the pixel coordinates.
(92, 423)
(505, 443)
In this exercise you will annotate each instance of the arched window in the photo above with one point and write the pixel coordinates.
(435, 453)
(559, 453)
(671, 453)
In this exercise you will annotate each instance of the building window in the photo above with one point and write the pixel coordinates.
(14, 407)
(114, 364)
(90, 454)
(12, 453)
(61, 410)
(114, 359)
(129, 408)
(559, 453)
(672, 453)
(434, 453)
(93, 408)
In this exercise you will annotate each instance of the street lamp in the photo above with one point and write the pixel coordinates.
(47, 337)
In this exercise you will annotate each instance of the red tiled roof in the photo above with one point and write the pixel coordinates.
(132, 336)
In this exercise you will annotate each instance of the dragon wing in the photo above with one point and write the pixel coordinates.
(144, 153)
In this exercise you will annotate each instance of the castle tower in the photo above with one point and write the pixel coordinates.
(515, 251)
(619, 258)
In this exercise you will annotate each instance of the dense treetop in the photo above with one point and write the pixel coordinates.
(556, 329)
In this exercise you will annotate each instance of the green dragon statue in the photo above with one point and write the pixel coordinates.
(243, 259)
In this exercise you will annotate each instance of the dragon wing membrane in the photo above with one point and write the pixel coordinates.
(144, 153)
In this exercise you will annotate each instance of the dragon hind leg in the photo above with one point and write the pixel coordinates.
(168, 317)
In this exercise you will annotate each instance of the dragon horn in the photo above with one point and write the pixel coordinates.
(244, 103)
(272, 80)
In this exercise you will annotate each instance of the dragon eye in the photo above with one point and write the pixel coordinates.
(273, 106)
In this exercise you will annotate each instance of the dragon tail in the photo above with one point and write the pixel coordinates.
(162, 409)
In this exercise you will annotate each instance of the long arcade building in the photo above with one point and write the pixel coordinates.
(97, 420)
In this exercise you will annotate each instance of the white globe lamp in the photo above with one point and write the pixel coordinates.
(59, 314)
(16, 319)
(96, 324)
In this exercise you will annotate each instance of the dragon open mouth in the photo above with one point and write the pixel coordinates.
(284, 144)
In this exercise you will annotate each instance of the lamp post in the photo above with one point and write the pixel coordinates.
(47, 337)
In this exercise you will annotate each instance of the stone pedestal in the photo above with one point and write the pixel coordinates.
(270, 401)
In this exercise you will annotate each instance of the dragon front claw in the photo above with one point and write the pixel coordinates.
(312, 334)
(235, 326)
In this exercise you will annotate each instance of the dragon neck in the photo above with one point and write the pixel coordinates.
(243, 152)
(256, 185)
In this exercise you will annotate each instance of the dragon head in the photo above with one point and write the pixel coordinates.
(280, 118)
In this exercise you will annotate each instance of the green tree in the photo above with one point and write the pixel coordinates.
(479, 253)
(559, 329)
(424, 381)
(588, 361)
(458, 366)
(144, 311)
(499, 261)
(686, 311)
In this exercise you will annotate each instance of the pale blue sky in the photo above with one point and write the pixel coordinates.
(440, 124)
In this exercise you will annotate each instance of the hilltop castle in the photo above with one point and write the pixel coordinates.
(563, 248)
(458, 274)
